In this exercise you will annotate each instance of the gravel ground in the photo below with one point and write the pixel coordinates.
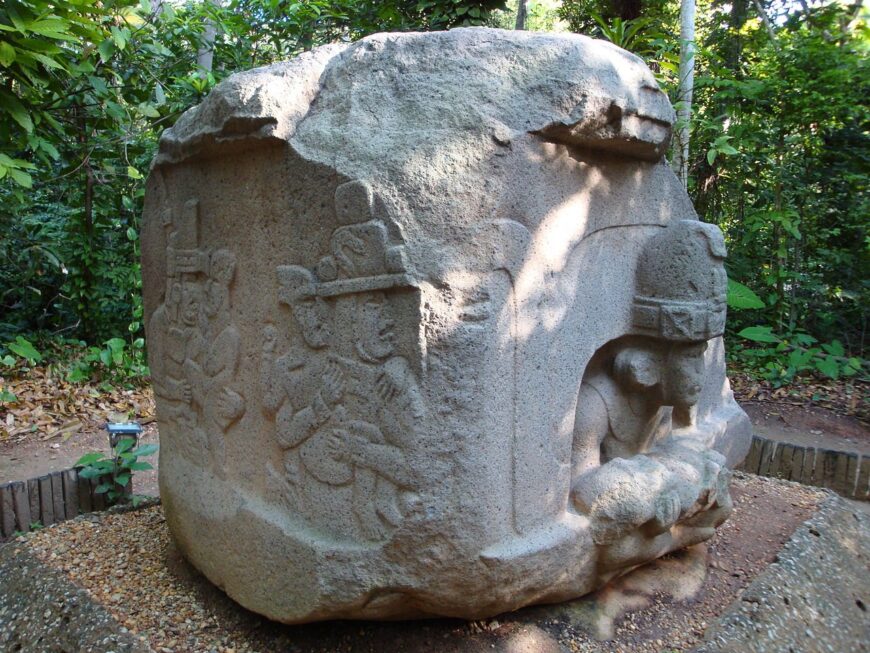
(125, 562)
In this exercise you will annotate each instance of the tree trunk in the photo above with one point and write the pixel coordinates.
(522, 13)
(764, 19)
(685, 89)
(205, 53)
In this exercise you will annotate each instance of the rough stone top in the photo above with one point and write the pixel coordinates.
(566, 87)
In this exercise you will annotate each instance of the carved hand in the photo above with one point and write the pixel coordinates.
(342, 240)
(333, 383)
(347, 447)
(386, 388)
(230, 404)
(336, 445)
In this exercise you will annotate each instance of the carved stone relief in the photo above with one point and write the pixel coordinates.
(197, 344)
(485, 373)
(643, 487)
(346, 406)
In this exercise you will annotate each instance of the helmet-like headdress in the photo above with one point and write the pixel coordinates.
(681, 283)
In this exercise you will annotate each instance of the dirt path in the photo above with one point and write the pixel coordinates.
(33, 457)
(813, 427)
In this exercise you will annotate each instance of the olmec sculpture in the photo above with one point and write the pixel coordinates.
(434, 329)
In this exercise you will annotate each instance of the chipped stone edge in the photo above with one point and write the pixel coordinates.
(733, 630)
(41, 609)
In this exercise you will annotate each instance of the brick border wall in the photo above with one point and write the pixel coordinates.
(847, 474)
(48, 499)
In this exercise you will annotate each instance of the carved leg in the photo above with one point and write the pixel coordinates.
(364, 488)
(387, 502)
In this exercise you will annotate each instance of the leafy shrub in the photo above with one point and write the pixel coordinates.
(116, 470)
(779, 358)
(116, 363)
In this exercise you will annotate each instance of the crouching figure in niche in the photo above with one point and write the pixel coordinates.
(641, 471)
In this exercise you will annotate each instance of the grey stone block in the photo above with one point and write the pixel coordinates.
(436, 340)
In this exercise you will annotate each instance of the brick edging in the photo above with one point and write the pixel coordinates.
(48, 499)
(846, 473)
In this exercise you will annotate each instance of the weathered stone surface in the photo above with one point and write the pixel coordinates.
(813, 599)
(433, 329)
(41, 610)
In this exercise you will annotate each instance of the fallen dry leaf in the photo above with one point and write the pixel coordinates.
(50, 407)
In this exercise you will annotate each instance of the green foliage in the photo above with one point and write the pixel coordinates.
(739, 296)
(117, 362)
(116, 471)
(34, 526)
(22, 348)
(779, 159)
(588, 16)
(541, 16)
(623, 33)
(781, 164)
(782, 358)
(86, 87)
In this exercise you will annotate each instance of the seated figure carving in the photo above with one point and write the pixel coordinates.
(646, 489)
(429, 333)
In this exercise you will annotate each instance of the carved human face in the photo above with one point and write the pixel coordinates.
(191, 301)
(223, 267)
(313, 317)
(377, 338)
(684, 374)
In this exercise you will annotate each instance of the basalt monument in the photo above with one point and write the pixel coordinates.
(434, 329)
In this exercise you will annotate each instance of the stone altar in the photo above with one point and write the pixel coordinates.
(434, 329)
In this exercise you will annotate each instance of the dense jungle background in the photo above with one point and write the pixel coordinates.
(778, 157)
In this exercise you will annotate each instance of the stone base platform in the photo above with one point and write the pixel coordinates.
(789, 572)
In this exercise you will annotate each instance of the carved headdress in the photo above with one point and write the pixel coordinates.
(361, 258)
(681, 283)
(184, 254)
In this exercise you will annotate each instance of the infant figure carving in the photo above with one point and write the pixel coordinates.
(647, 488)
(434, 329)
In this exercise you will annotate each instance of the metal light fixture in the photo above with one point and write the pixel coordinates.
(120, 430)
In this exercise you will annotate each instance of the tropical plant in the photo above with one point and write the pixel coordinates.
(115, 472)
